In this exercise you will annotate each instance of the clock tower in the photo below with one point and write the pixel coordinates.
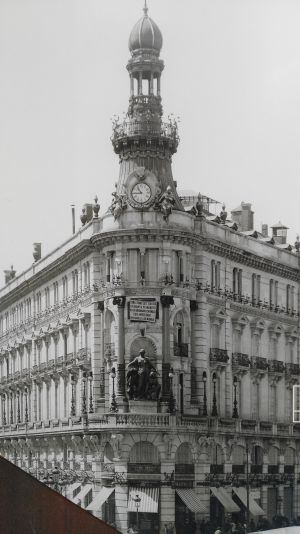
(144, 142)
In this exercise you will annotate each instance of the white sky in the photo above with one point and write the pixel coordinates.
(232, 75)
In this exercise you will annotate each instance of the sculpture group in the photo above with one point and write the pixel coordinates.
(142, 379)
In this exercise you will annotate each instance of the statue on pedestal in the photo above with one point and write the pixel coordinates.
(142, 381)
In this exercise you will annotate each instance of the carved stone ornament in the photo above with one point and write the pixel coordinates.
(96, 208)
(119, 204)
(165, 203)
(223, 214)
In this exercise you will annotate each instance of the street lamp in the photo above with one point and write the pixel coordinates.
(204, 379)
(137, 501)
(113, 406)
(11, 408)
(90, 380)
(3, 410)
(171, 396)
(83, 408)
(214, 411)
(235, 412)
(73, 407)
(26, 406)
(18, 407)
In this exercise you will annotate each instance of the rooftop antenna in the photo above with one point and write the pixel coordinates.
(145, 9)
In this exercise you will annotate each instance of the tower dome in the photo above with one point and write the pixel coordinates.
(145, 35)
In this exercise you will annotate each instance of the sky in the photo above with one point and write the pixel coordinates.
(232, 76)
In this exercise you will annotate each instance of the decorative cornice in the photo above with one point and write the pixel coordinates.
(70, 257)
(251, 260)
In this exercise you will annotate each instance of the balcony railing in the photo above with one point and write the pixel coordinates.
(218, 355)
(181, 349)
(259, 363)
(184, 469)
(256, 469)
(292, 369)
(289, 469)
(216, 469)
(276, 366)
(273, 469)
(109, 350)
(238, 469)
(240, 359)
(144, 468)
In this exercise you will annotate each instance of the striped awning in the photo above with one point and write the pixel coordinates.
(100, 499)
(254, 508)
(225, 499)
(149, 500)
(71, 489)
(82, 494)
(192, 500)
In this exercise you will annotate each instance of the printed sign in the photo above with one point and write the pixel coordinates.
(143, 310)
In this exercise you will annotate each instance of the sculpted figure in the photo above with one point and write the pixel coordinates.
(118, 204)
(142, 380)
(166, 203)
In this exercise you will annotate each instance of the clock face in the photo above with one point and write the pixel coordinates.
(141, 193)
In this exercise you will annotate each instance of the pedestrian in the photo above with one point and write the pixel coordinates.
(218, 531)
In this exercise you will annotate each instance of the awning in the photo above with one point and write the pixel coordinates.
(149, 500)
(100, 498)
(71, 489)
(225, 499)
(82, 494)
(192, 500)
(254, 508)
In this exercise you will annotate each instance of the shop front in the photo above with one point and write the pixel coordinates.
(143, 511)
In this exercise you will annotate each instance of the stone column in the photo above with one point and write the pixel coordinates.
(166, 301)
(120, 302)
(121, 497)
(167, 499)
(194, 378)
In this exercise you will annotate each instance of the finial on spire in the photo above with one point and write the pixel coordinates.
(145, 9)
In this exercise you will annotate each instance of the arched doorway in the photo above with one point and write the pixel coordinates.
(184, 479)
(144, 477)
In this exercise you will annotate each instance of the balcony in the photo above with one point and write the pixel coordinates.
(289, 469)
(216, 469)
(292, 369)
(218, 356)
(256, 469)
(259, 363)
(240, 360)
(144, 468)
(238, 469)
(109, 350)
(273, 469)
(276, 366)
(181, 349)
(184, 469)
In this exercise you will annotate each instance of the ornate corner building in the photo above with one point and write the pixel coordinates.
(147, 365)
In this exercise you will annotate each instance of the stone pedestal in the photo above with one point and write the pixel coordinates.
(142, 406)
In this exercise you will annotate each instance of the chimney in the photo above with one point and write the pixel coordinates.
(73, 218)
(279, 233)
(37, 251)
(265, 230)
(244, 217)
(9, 275)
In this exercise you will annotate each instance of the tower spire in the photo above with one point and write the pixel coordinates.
(145, 9)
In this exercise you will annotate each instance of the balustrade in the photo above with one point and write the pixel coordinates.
(276, 366)
(218, 355)
(181, 349)
(240, 359)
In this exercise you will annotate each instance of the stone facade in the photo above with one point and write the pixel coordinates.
(216, 311)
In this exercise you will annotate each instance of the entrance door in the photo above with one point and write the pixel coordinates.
(148, 523)
(272, 503)
(217, 514)
(288, 502)
(184, 518)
